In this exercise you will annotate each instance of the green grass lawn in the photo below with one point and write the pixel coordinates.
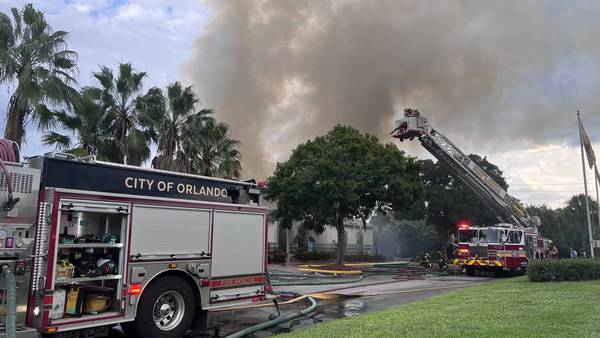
(505, 308)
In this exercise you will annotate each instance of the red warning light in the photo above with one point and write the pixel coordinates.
(135, 289)
(463, 226)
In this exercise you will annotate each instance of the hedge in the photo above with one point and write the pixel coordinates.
(313, 256)
(551, 270)
(277, 256)
(364, 258)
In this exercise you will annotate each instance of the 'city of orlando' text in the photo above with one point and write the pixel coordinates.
(167, 186)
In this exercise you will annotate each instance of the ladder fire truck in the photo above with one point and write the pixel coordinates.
(505, 246)
(86, 245)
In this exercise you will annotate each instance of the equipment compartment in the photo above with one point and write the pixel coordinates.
(90, 260)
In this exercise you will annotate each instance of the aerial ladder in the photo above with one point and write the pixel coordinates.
(508, 208)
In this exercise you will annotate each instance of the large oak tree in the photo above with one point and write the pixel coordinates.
(340, 176)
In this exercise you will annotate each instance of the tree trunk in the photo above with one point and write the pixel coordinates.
(287, 246)
(340, 245)
(14, 129)
(341, 234)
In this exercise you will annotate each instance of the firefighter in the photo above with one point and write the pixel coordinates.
(552, 250)
(451, 247)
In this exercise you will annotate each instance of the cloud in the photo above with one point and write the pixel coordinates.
(548, 174)
(493, 76)
(498, 78)
(154, 35)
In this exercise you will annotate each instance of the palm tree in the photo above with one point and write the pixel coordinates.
(211, 151)
(120, 95)
(36, 60)
(168, 117)
(86, 134)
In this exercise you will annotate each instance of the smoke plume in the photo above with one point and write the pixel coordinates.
(489, 74)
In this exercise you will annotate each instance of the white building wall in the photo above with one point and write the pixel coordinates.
(272, 233)
(327, 240)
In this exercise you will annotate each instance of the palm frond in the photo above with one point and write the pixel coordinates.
(68, 121)
(17, 18)
(29, 14)
(56, 139)
(211, 151)
(7, 34)
(36, 58)
(64, 63)
(137, 147)
(44, 117)
(105, 77)
(136, 81)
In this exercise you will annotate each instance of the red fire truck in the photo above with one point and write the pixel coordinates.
(86, 245)
(507, 245)
(495, 248)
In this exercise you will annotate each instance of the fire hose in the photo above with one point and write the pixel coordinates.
(277, 320)
(9, 152)
(282, 319)
(400, 271)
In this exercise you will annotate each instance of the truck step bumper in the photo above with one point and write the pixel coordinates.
(478, 262)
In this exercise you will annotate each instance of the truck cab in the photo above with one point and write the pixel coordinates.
(496, 248)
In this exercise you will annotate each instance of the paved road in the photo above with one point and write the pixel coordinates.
(371, 294)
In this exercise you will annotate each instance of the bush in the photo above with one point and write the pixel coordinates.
(563, 270)
(277, 256)
(312, 256)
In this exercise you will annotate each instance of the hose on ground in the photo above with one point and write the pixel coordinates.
(276, 321)
(313, 306)
(11, 302)
(326, 281)
(408, 273)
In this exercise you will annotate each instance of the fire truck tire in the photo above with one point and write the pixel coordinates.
(166, 309)
(128, 330)
(470, 271)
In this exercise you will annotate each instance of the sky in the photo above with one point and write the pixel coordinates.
(500, 79)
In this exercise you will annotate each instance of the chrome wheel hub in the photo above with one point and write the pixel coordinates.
(168, 310)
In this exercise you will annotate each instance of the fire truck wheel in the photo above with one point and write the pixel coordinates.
(166, 309)
(470, 271)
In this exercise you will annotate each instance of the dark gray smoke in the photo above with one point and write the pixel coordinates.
(489, 74)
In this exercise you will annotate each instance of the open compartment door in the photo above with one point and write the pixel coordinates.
(88, 262)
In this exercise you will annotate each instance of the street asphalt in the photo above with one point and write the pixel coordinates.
(373, 293)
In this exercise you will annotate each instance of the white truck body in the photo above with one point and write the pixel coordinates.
(209, 233)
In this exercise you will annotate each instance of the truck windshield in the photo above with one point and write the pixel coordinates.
(467, 235)
(514, 237)
(489, 235)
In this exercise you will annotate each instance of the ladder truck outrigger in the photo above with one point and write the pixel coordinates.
(507, 245)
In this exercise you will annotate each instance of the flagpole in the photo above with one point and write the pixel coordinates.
(597, 196)
(587, 202)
